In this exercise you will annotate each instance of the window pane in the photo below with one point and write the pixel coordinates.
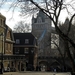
(17, 50)
(26, 41)
(26, 50)
(17, 41)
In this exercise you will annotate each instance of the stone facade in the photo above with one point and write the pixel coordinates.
(8, 52)
(2, 29)
(41, 29)
(26, 46)
(6, 44)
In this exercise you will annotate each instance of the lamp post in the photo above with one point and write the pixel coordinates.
(1, 63)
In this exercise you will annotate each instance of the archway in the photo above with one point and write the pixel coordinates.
(55, 66)
(43, 65)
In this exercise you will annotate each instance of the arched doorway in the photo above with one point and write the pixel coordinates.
(43, 65)
(55, 66)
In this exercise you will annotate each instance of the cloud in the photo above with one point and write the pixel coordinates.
(11, 17)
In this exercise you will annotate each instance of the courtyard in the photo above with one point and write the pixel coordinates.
(36, 73)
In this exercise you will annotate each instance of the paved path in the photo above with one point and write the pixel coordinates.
(36, 73)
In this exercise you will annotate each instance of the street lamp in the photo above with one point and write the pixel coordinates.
(1, 63)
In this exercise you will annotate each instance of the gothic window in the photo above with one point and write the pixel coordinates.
(39, 20)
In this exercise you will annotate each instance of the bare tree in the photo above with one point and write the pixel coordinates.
(53, 9)
(21, 27)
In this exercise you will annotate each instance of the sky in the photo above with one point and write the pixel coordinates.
(11, 21)
(13, 18)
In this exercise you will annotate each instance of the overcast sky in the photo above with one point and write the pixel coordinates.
(11, 18)
(11, 21)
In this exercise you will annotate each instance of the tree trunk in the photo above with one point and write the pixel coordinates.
(69, 55)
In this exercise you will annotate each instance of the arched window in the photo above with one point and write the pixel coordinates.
(39, 20)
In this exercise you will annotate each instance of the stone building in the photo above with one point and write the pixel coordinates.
(17, 50)
(41, 29)
(25, 51)
(8, 51)
(6, 44)
(48, 54)
(2, 29)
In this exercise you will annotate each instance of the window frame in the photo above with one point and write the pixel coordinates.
(17, 41)
(26, 41)
(26, 50)
(17, 50)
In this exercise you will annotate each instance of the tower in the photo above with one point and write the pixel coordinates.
(41, 29)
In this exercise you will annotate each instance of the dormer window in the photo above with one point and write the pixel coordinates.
(26, 41)
(17, 41)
